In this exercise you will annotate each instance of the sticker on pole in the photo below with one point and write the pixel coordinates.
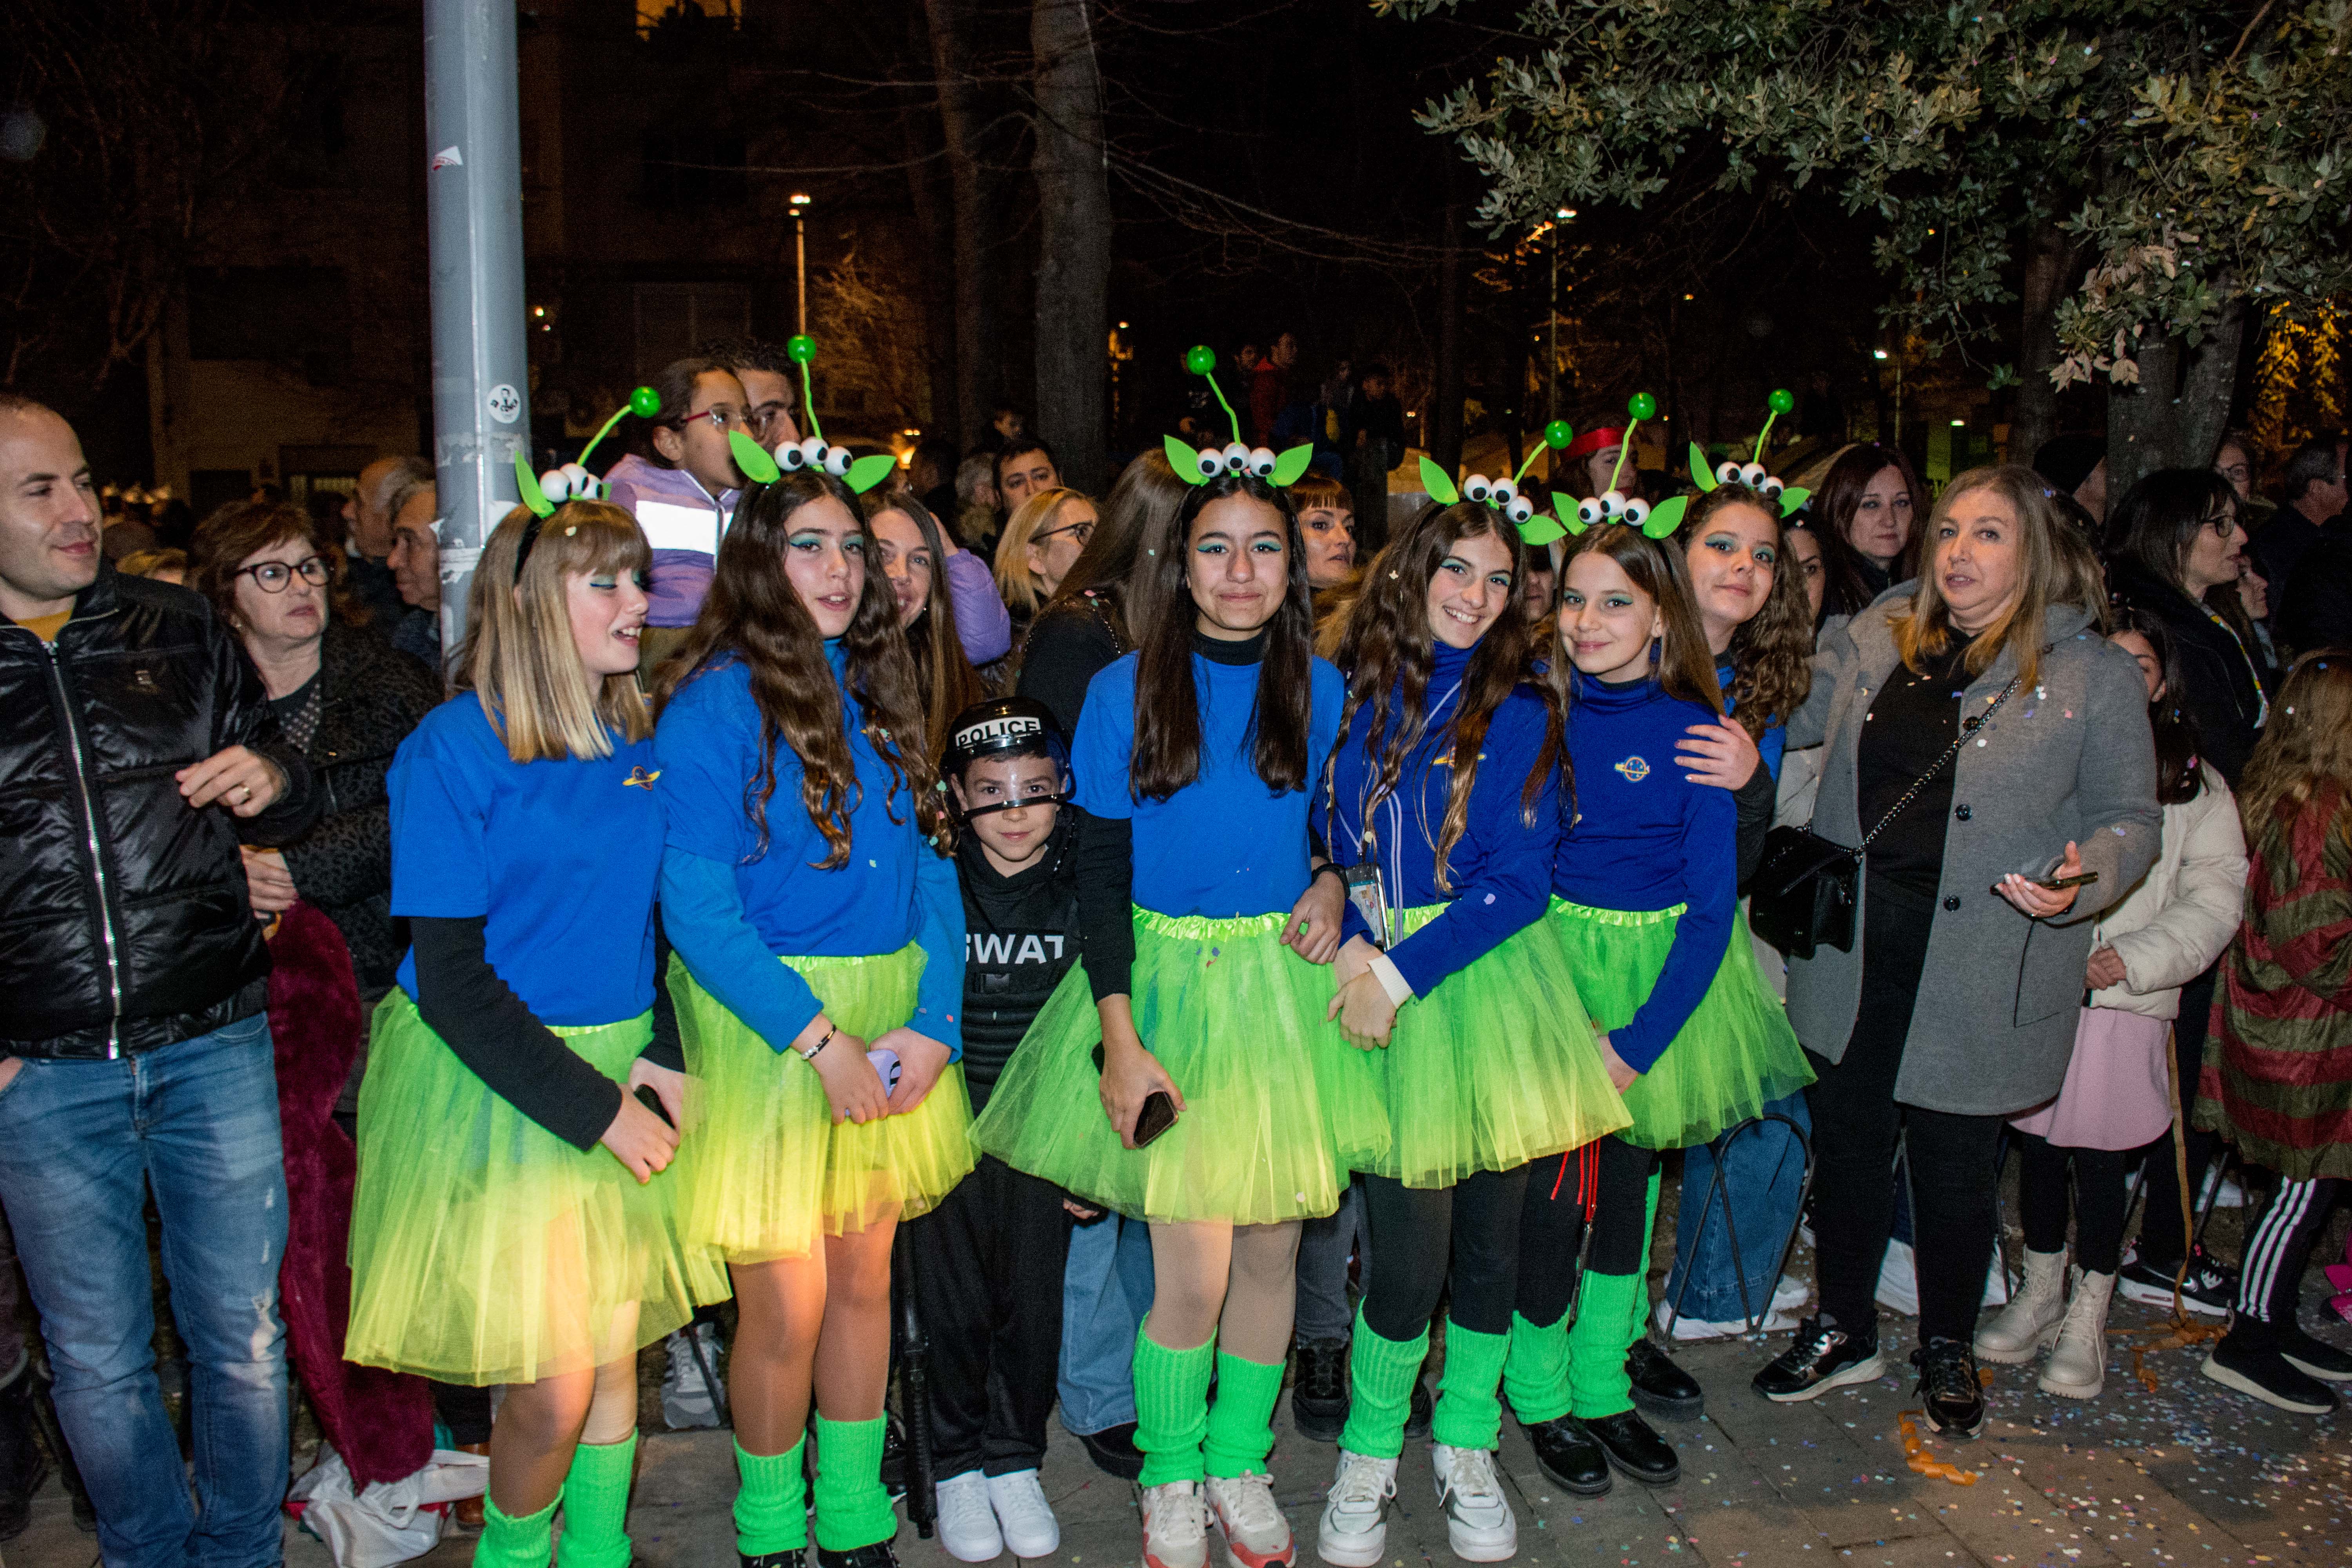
(449, 158)
(504, 403)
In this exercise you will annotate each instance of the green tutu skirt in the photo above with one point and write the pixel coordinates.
(1734, 1057)
(485, 1248)
(767, 1169)
(1493, 1068)
(1277, 1109)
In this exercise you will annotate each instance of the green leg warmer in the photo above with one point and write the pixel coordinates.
(1382, 1371)
(596, 1505)
(1240, 1432)
(515, 1542)
(853, 1507)
(1534, 1373)
(1171, 1407)
(1640, 1302)
(771, 1507)
(1597, 1344)
(1468, 1413)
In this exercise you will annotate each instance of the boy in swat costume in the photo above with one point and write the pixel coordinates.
(996, 1246)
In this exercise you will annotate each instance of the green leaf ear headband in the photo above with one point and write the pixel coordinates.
(1198, 467)
(1752, 474)
(542, 493)
(860, 474)
(1502, 495)
(1614, 505)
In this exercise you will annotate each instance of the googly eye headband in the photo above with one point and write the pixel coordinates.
(763, 468)
(1198, 467)
(1614, 505)
(1751, 473)
(1502, 495)
(542, 493)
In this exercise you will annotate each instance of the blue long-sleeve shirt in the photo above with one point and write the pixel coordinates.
(730, 909)
(1500, 869)
(1643, 839)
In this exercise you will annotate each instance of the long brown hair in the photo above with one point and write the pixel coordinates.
(230, 533)
(1922, 628)
(944, 678)
(1834, 504)
(1387, 645)
(1167, 754)
(752, 612)
(1771, 651)
(1134, 520)
(2305, 748)
(518, 658)
(1681, 663)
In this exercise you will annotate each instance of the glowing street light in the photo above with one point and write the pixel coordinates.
(800, 202)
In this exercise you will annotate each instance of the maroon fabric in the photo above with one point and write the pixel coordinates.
(379, 1422)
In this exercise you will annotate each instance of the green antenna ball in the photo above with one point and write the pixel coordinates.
(800, 348)
(1782, 401)
(1200, 359)
(644, 403)
(1559, 434)
(1642, 405)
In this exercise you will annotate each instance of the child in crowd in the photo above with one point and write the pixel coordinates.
(2278, 1063)
(493, 1240)
(813, 915)
(988, 1261)
(681, 485)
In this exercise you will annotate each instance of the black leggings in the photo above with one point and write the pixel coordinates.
(1417, 1233)
(2161, 1240)
(2271, 1274)
(2098, 1188)
(1551, 1225)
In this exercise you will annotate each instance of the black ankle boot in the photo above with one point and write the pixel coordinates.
(22, 1469)
(1569, 1456)
(1661, 1387)
(1634, 1447)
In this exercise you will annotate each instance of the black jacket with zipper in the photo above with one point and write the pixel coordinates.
(125, 923)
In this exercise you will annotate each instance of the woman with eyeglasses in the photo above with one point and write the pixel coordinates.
(1040, 544)
(343, 695)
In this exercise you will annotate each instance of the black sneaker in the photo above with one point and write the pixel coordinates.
(1824, 1357)
(2250, 1362)
(877, 1555)
(791, 1557)
(1661, 1387)
(1948, 1384)
(1569, 1456)
(1113, 1452)
(1421, 1412)
(2209, 1290)
(1318, 1389)
(2314, 1358)
(1635, 1448)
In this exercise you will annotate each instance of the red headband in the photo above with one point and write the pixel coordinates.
(1593, 441)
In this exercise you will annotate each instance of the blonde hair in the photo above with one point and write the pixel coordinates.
(1019, 585)
(519, 658)
(1923, 629)
(2306, 745)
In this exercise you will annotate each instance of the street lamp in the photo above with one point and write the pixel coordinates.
(800, 258)
(1880, 354)
(1552, 399)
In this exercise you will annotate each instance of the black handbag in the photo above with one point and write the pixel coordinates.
(1805, 892)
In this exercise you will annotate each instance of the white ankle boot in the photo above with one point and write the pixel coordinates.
(2032, 1318)
(2077, 1368)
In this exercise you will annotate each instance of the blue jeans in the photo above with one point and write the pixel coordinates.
(1105, 1291)
(81, 1143)
(1323, 1313)
(1763, 1170)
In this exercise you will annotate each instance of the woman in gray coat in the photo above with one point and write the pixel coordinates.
(1957, 1003)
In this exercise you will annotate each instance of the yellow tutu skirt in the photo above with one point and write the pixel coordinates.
(767, 1169)
(485, 1248)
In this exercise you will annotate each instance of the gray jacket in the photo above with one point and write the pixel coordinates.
(2070, 758)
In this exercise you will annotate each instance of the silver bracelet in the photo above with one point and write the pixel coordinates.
(809, 1054)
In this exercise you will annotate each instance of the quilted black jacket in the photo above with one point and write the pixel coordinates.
(124, 922)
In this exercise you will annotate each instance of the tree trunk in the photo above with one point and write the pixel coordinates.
(2049, 269)
(2175, 417)
(975, 324)
(2209, 388)
(1074, 239)
(932, 222)
(1442, 424)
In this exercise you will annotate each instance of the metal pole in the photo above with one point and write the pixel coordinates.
(481, 380)
(800, 269)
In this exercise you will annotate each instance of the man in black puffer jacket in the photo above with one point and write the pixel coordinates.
(136, 750)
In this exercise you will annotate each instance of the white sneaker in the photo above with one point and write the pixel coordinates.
(1791, 1293)
(1256, 1534)
(684, 1389)
(1478, 1522)
(1687, 1328)
(1355, 1531)
(967, 1524)
(1175, 1526)
(1899, 1280)
(1030, 1528)
(2228, 1195)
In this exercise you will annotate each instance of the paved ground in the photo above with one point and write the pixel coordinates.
(2186, 1473)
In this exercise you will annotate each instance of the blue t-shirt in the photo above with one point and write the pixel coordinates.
(1500, 868)
(560, 856)
(1645, 838)
(1224, 845)
(894, 889)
